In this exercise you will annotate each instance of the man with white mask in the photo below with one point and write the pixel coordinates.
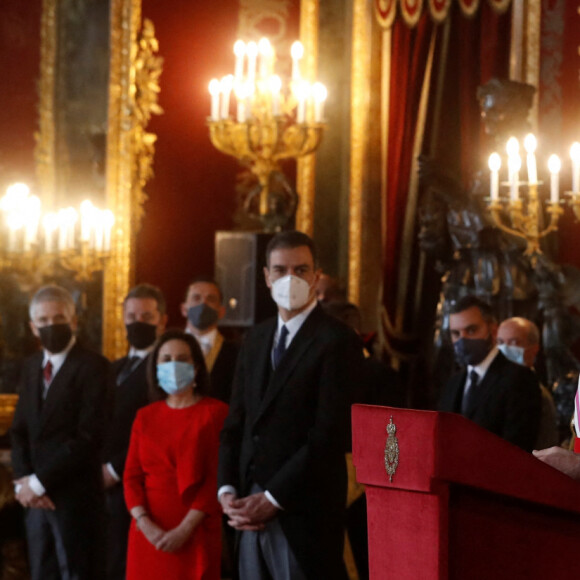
(282, 477)
(518, 339)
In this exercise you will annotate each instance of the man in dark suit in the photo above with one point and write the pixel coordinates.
(57, 435)
(282, 476)
(501, 396)
(145, 319)
(203, 309)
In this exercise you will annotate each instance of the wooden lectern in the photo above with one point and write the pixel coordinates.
(463, 504)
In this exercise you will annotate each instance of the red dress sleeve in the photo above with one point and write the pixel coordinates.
(198, 461)
(133, 475)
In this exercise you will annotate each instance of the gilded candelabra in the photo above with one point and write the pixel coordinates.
(37, 243)
(269, 125)
(526, 214)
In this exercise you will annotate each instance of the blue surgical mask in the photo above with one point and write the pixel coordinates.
(513, 352)
(175, 376)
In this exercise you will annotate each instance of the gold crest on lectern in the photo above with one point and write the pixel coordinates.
(391, 450)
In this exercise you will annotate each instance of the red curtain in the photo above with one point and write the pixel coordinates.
(478, 50)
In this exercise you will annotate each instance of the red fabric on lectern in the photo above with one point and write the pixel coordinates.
(463, 503)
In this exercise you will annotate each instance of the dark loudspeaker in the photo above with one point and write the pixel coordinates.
(240, 258)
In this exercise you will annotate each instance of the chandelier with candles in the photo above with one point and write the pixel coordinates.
(522, 200)
(38, 242)
(261, 120)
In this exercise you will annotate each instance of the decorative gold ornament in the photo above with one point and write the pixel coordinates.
(391, 450)
(526, 214)
(270, 125)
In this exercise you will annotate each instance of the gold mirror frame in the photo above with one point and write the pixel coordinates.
(132, 92)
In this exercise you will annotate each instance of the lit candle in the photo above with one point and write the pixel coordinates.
(575, 155)
(494, 166)
(72, 218)
(240, 91)
(515, 164)
(319, 94)
(530, 144)
(252, 52)
(512, 148)
(32, 218)
(214, 91)
(297, 52)
(239, 51)
(275, 86)
(302, 92)
(226, 85)
(554, 165)
(15, 222)
(50, 224)
(86, 220)
(265, 50)
(62, 224)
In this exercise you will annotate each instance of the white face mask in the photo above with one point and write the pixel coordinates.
(513, 352)
(290, 292)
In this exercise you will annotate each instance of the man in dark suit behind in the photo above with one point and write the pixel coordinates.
(492, 391)
(57, 436)
(203, 309)
(145, 318)
(282, 477)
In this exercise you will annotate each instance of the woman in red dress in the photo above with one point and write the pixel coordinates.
(171, 469)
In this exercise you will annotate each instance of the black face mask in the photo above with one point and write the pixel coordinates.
(471, 351)
(202, 316)
(55, 338)
(141, 334)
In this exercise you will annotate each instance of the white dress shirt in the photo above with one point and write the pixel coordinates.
(293, 326)
(481, 369)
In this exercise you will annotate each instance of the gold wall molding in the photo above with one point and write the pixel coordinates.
(253, 12)
(133, 89)
(359, 114)
(306, 166)
(45, 137)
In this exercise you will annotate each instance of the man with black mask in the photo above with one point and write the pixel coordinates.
(492, 391)
(145, 319)
(203, 309)
(57, 437)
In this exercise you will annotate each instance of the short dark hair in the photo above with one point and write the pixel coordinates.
(156, 393)
(471, 301)
(147, 291)
(288, 240)
(346, 312)
(208, 280)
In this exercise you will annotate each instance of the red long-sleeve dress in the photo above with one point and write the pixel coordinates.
(171, 468)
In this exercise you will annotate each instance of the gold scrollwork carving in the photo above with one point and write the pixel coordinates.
(391, 450)
(133, 90)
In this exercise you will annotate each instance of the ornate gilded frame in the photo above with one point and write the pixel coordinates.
(132, 98)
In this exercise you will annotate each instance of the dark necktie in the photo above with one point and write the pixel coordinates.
(280, 347)
(129, 366)
(470, 394)
(47, 372)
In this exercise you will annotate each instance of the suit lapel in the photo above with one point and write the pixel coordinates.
(456, 392)
(260, 359)
(35, 387)
(299, 345)
(59, 385)
(486, 386)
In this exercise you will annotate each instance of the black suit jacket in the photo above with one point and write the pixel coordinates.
(129, 397)
(292, 440)
(60, 439)
(507, 402)
(222, 372)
